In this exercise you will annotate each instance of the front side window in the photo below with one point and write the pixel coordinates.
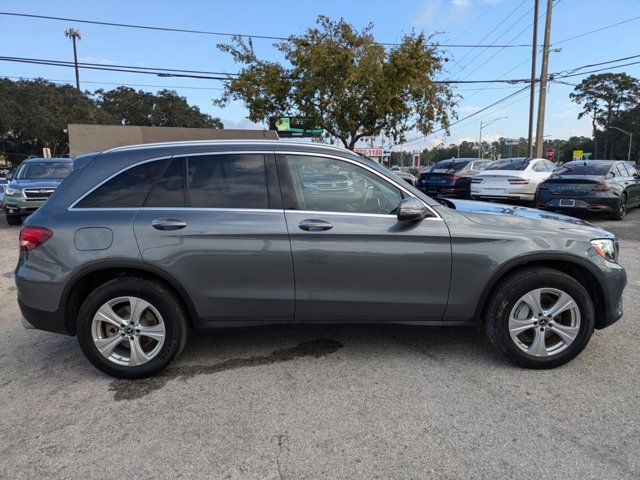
(330, 185)
(620, 171)
(539, 167)
(631, 170)
(126, 190)
(228, 181)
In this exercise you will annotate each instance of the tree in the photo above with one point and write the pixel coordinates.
(128, 106)
(341, 80)
(603, 97)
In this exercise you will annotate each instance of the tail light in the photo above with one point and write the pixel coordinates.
(33, 237)
(453, 178)
(519, 181)
(601, 187)
(476, 180)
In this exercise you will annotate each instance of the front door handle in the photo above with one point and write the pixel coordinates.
(311, 225)
(168, 224)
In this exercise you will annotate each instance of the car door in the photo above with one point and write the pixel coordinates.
(633, 182)
(353, 260)
(215, 222)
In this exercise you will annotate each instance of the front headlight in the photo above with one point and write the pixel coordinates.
(12, 191)
(606, 248)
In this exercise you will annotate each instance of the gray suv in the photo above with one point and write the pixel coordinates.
(139, 245)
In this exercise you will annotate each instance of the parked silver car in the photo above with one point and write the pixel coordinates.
(141, 244)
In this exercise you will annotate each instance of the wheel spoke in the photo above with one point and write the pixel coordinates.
(106, 314)
(106, 346)
(564, 303)
(516, 327)
(156, 332)
(539, 346)
(138, 306)
(138, 356)
(567, 333)
(532, 299)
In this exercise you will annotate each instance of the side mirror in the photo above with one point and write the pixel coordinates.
(411, 209)
(9, 176)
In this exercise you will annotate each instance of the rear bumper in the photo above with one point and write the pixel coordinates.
(43, 320)
(506, 196)
(444, 191)
(590, 204)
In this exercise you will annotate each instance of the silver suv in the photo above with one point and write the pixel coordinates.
(139, 245)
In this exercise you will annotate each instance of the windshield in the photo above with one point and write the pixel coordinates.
(449, 166)
(583, 168)
(509, 164)
(53, 170)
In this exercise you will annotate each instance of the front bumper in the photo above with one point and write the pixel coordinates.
(19, 205)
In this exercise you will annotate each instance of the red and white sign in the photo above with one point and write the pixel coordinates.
(369, 152)
(416, 159)
(550, 153)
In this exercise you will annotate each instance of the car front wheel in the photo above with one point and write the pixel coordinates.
(539, 318)
(131, 327)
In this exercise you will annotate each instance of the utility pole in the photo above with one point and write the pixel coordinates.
(532, 97)
(543, 80)
(74, 34)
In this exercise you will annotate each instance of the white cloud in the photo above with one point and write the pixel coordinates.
(242, 124)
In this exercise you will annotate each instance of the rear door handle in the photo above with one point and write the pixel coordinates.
(168, 224)
(311, 225)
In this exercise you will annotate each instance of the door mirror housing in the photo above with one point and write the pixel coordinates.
(9, 176)
(411, 209)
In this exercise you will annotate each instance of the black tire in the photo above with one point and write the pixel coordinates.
(162, 299)
(13, 219)
(621, 209)
(510, 290)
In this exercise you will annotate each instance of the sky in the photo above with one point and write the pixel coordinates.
(451, 21)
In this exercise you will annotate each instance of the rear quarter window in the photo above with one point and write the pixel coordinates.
(128, 189)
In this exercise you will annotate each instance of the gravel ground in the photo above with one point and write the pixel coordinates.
(323, 402)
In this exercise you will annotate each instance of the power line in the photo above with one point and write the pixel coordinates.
(208, 32)
(167, 72)
(457, 62)
(477, 112)
(177, 87)
(597, 30)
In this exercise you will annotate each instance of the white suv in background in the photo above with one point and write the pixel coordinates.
(511, 179)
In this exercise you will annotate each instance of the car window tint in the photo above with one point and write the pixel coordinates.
(228, 181)
(169, 190)
(620, 171)
(630, 169)
(539, 167)
(129, 189)
(330, 185)
(509, 164)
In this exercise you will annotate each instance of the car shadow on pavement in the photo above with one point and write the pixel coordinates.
(235, 348)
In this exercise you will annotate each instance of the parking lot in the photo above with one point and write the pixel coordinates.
(323, 402)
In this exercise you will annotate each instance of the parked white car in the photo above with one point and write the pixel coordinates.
(511, 179)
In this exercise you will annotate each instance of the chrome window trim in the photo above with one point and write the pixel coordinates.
(436, 216)
(72, 207)
(142, 162)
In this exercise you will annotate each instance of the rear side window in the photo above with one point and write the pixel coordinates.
(539, 167)
(169, 190)
(127, 190)
(228, 181)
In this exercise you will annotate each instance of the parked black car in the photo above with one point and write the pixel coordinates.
(596, 186)
(451, 178)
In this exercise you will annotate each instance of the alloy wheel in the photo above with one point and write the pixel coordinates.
(128, 331)
(544, 322)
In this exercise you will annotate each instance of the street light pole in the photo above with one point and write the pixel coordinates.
(482, 125)
(74, 34)
(630, 141)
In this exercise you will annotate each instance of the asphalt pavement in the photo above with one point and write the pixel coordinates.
(323, 402)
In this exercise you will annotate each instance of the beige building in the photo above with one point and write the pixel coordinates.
(85, 138)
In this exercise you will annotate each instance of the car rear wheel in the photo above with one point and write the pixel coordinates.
(131, 327)
(621, 209)
(13, 219)
(539, 318)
